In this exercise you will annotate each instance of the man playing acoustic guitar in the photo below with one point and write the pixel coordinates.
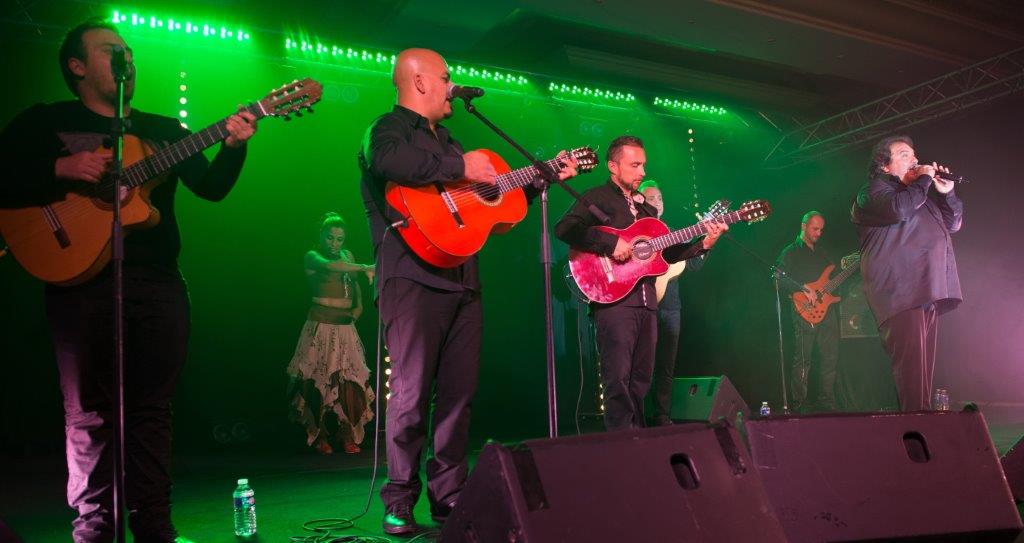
(433, 318)
(627, 330)
(60, 149)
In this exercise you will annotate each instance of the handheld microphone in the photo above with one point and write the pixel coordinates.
(119, 66)
(466, 93)
(948, 176)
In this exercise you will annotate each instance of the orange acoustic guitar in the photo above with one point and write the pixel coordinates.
(68, 241)
(814, 310)
(447, 223)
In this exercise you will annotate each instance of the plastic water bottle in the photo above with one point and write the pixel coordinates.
(940, 401)
(245, 509)
(765, 409)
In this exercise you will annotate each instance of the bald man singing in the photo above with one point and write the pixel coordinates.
(432, 316)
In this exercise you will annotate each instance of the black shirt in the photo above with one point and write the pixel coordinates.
(671, 300)
(802, 264)
(906, 252)
(576, 228)
(38, 136)
(400, 147)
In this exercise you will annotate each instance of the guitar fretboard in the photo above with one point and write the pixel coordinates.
(175, 153)
(843, 275)
(686, 234)
(523, 176)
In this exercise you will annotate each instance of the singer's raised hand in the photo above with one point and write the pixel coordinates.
(944, 186)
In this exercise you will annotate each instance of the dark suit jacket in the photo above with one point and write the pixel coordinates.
(907, 258)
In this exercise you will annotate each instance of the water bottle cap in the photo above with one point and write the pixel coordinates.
(243, 481)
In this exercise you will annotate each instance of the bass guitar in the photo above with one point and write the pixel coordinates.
(813, 310)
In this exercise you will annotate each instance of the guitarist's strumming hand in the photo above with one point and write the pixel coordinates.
(623, 250)
(85, 166)
(478, 168)
(715, 229)
(241, 126)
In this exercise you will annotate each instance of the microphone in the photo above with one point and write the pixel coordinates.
(466, 93)
(119, 66)
(948, 176)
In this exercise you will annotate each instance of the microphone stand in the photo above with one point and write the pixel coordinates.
(118, 126)
(778, 275)
(548, 176)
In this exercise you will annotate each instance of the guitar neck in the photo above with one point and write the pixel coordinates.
(833, 283)
(181, 150)
(686, 234)
(523, 176)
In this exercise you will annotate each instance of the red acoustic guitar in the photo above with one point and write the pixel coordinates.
(68, 241)
(605, 280)
(446, 223)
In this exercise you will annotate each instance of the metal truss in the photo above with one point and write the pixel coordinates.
(971, 86)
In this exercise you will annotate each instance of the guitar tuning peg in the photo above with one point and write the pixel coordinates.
(309, 110)
(287, 118)
(298, 113)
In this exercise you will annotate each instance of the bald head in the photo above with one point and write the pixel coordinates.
(421, 78)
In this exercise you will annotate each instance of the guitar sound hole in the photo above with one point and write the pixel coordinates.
(643, 250)
(104, 191)
(488, 193)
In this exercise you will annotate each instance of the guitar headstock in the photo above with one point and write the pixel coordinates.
(755, 210)
(586, 159)
(292, 98)
(720, 207)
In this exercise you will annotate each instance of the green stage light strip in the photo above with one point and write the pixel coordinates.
(179, 26)
(574, 91)
(366, 58)
(687, 106)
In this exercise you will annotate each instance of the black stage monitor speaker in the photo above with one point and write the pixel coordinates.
(686, 482)
(707, 399)
(925, 476)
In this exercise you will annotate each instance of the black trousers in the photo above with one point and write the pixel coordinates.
(156, 311)
(665, 363)
(910, 338)
(825, 335)
(433, 339)
(626, 338)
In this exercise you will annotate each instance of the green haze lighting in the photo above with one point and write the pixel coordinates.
(176, 24)
(559, 90)
(383, 61)
(688, 106)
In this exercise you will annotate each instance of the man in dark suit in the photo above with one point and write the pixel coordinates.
(627, 330)
(904, 215)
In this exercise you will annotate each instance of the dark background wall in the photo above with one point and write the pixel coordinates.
(242, 257)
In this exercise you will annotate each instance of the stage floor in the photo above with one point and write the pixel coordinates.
(291, 489)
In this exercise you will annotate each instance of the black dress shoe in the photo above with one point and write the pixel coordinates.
(398, 520)
(439, 511)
